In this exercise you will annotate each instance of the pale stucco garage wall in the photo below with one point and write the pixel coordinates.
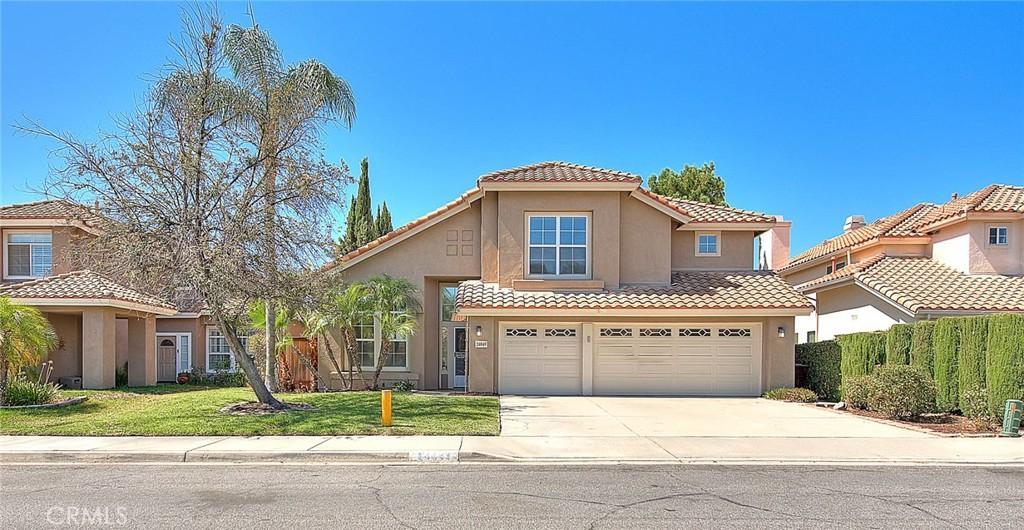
(849, 309)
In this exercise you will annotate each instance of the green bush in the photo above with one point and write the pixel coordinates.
(21, 392)
(946, 346)
(800, 395)
(897, 343)
(973, 336)
(823, 367)
(921, 352)
(217, 378)
(857, 390)
(121, 376)
(1004, 361)
(860, 354)
(403, 386)
(901, 392)
(974, 405)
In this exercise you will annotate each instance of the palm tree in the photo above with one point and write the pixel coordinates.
(283, 104)
(26, 336)
(396, 306)
(348, 309)
(281, 339)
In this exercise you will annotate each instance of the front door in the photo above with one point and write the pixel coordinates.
(459, 354)
(166, 355)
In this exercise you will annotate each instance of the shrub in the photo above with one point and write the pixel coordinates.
(974, 405)
(921, 352)
(121, 375)
(1004, 361)
(901, 392)
(946, 345)
(800, 395)
(21, 391)
(217, 378)
(897, 343)
(973, 335)
(857, 390)
(823, 367)
(402, 386)
(860, 353)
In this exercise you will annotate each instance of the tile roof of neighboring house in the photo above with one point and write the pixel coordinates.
(923, 284)
(78, 285)
(710, 213)
(50, 209)
(559, 172)
(689, 290)
(462, 199)
(992, 198)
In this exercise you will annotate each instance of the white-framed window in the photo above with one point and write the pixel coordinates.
(448, 293)
(399, 357)
(707, 244)
(998, 235)
(368, 335)
(28, 254)
(558, 245)
(218, 353)
(366, 343)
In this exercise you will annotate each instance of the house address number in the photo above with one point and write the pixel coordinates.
(480, 344)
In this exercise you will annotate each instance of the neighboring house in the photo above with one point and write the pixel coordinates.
(960, 258)
(102, 325)
(557, 278)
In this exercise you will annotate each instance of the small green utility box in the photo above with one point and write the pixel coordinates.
(1011, 417)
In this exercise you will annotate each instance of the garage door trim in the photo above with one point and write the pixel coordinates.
(580, 338)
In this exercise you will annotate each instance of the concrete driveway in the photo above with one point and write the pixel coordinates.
(683, 416)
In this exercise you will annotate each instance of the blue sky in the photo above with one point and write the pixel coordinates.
(812, 111)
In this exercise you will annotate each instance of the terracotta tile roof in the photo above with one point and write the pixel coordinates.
(923, 284)
(559, 172)
(842, 273)
(462, 199)
(689, 290)
(992, 198)
(700, 212)
(50, 209)
(83, 284)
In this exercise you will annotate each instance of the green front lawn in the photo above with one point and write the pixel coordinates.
(184, 410)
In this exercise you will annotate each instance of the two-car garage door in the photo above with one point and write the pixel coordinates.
(630, 359)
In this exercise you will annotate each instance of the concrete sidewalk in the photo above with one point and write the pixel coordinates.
(526, 449)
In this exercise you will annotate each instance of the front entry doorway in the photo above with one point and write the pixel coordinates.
(459, 358)
(167, 359)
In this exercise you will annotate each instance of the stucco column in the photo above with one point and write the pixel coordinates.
(483, 361)
(98, 347)
(141, 343)
(779, 370)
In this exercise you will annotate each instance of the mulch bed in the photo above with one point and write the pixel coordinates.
(940, 423)
(255, 408)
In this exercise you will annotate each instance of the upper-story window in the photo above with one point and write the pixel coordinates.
(28, 254)
(558, 245)
(998, 235)
(707, 244)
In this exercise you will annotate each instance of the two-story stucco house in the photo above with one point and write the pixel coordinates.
(557, 278)
(959, 258)
(102, 326)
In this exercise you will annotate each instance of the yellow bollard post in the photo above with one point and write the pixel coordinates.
(385, 408)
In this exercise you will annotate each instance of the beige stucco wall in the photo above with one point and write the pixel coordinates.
(737, 251)
(964, 246)
(646, 244)
(67, 357)
(849, 309)
(195, 326)
(777, 354)
(98, 347)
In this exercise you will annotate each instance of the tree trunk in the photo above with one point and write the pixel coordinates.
(334, 362)
(4, 367)
(385, 353)
(270, 329)
(353, 359)
(251, 373)
(321, 386)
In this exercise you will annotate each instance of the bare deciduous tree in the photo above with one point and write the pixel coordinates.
(183, 186)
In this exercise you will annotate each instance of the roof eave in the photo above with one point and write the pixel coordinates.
(95, 302)
(628, 312)
(558, 185)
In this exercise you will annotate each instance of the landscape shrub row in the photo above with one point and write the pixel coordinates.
(822, 360)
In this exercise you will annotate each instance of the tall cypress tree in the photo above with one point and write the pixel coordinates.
(360, 226)
(383, 220)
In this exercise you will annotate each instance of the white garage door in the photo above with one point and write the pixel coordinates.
(540, 359)
(700, 360)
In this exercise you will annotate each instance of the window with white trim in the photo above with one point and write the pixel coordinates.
(707, 244)
(365, 343)
(558, 245)
(218, 353)
(368, 335)
(399, 351)
(998, 235)
(28, 254)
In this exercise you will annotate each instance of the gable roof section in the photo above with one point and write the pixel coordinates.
(85, 287)
(704, 290)
(995, 198)
(919, 284)
(700, 212)
(53, 210)
(556, 171)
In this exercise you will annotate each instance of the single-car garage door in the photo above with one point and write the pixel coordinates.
(540, 359)
(722, 360)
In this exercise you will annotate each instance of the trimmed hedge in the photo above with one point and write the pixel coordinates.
(921, 353)
(973, 338)
(1004, 361)
(946, 345)
(860, 353)
(897, 344)
(901, 392)
(823, 367)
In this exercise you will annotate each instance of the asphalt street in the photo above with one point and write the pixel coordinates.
(508, 496)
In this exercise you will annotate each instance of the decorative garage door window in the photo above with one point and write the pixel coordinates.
(695, 332)
(521, 332)
(655, 332)
(616, 332)
(560, 332)
(734, 332)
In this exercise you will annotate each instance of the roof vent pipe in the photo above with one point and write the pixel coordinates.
(853, 222)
